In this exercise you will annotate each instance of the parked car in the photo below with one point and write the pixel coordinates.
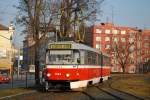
(4, 78)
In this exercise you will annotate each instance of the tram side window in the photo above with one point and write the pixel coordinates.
(76, 57)
(91, 58)
(82, 57)
(106, 61)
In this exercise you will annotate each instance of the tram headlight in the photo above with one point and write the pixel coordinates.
(48, 75)
(67, 75)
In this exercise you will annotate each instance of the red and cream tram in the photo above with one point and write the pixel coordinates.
(74, 65)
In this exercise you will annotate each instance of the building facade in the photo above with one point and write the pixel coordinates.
(145, 46)
(29, 49)
(6, 47)
(107, 36)
(145, 58)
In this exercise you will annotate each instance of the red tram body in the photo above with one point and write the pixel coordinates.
(74, 65)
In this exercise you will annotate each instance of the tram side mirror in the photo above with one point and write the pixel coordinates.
(78, 60)
(46, 50)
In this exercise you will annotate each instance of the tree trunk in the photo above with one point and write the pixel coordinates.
(36, 61)
(124, 69)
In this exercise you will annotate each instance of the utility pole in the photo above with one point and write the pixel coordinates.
(18, 66)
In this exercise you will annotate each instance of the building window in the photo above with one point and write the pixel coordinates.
(107, 46)
(131, 48)
(146, 60)
(146, 45)
(115, 39)
(3, 53)
(115, 31)
(107, 38)
(146, 52)
(50, 34)
(132, 34)
(107, 31)
(123, 39)
(98, 38)
(147, 38)
(123, 47)
(98, 46)
(131, 40)
(123, 32)
(99, 31)
(131, 61)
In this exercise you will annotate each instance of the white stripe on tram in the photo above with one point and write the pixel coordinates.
(75, 66)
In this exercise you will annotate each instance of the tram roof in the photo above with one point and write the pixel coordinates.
(75, 45)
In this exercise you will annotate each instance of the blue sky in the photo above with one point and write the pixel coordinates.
(134, 13)
(7, 14)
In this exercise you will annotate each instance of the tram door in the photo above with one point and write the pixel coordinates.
(77, 62)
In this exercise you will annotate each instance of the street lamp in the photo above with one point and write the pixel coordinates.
(101, 59)
(101, 79)
(12, 59)
(18, 66)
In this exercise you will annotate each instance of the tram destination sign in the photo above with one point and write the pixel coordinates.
(59, 46)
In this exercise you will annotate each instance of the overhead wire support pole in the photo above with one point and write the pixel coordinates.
(101, 58)
(18, 68)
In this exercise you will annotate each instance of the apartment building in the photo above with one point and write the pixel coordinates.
(145, 46)
(6, 47)
(145, 58)
(106, 36)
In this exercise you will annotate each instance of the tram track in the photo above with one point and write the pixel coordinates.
(119, 95)
(105, 88)
(102, 91)
(116, 93)
(91, 93)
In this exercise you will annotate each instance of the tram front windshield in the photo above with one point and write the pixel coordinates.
(62, 57)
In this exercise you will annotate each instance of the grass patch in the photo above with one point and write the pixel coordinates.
(134, 85)
(14, 91)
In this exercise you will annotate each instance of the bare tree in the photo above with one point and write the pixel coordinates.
(38, 15)
(122, 54)
(74, 14)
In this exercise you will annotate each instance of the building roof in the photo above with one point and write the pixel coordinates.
(2, 27)
(112, 26)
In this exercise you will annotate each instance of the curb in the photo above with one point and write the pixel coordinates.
(6, 97)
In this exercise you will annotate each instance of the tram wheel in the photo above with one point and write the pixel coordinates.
(101, 80)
